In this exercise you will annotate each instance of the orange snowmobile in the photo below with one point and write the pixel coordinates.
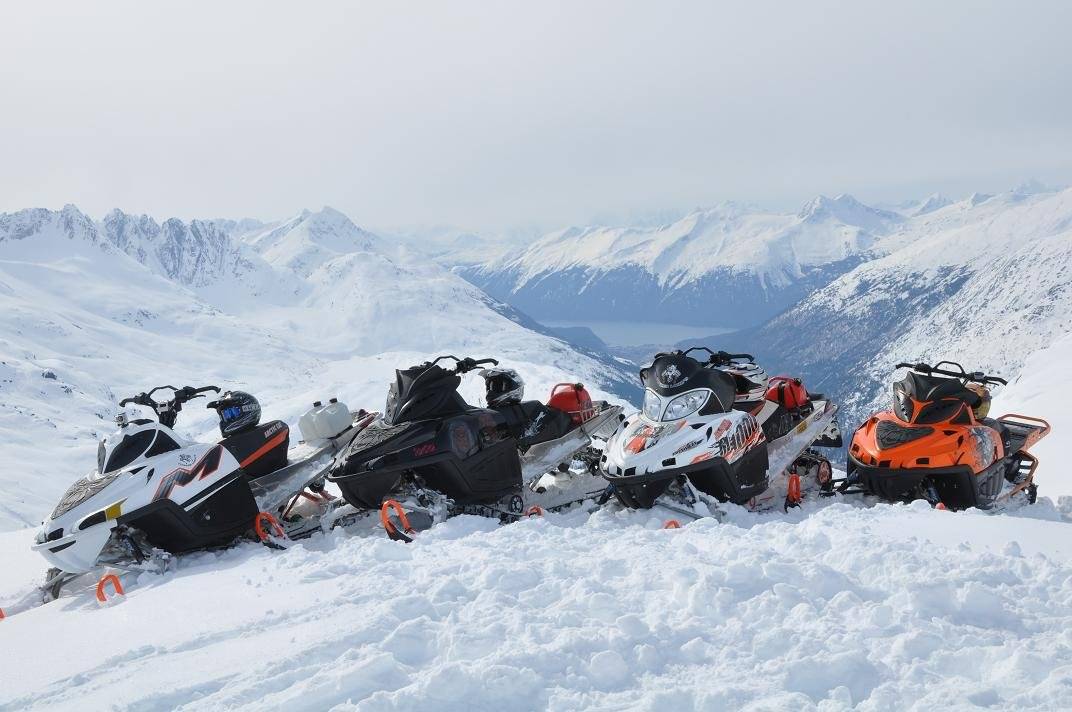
(937, 443)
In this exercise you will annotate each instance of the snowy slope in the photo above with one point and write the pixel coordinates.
(92, 313)
(1040, 391)
(729, 265)
(986, 282)
(824, 609)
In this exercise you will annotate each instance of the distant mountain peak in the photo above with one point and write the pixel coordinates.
(847, 209)
(934, 201)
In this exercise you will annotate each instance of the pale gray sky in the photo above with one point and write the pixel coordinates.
(495, 114)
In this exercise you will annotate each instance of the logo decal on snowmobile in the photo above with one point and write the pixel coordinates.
(670, 376)
(461, 439)
(182, 476)
(424, 449)
(534, 427)
(186, 459)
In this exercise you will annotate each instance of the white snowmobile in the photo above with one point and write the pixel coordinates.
(719, 431)
(155, 493)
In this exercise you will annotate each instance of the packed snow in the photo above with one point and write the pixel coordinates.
(827, 608)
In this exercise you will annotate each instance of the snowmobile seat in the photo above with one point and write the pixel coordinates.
(532, 422)
(260, 449)
(931, 388)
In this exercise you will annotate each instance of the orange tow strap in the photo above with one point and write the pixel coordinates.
(114, 581)
(407, 532)
(793, 495)
(259, 523)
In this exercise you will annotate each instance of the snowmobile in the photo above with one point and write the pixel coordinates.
(937, 444)
(155, 493)
(438, 455)
(718, 430)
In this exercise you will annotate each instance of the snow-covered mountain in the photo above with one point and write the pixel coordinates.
(986, 282)
(726, 266)
(296, 311)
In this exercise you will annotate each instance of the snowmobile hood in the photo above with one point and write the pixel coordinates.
(642, 446)
(72, 538)
(380, 438)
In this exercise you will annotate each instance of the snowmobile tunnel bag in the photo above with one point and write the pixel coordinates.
(261, 449)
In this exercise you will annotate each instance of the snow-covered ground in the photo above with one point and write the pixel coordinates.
(832, 607)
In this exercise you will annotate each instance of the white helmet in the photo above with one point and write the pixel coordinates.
(503, 386)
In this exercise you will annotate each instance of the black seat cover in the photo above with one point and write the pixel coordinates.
(261, 449)
(532, 422)
(930, 388)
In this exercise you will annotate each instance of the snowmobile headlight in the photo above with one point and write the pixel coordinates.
(653, 405)
(686, 404)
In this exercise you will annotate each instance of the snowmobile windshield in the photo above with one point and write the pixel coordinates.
(129, 449)
(423, 392)
(672, 376)
(929, 399)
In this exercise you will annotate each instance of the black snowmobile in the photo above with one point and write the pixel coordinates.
(445, 456)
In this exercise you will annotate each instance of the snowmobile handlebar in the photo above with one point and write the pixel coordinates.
(181, 396)
(464, 365)
(720, 358)
(976, 376)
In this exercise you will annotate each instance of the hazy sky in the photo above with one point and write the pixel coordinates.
(494, 114)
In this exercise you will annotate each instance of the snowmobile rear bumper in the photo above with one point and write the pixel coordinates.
(737, 482)
(956, 487)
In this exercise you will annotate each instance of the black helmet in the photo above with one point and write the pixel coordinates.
(238, 411)
(504, 386)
